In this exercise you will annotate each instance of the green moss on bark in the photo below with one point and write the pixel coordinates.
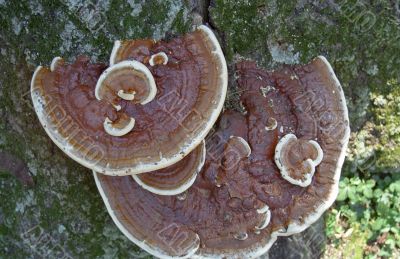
(359, 38)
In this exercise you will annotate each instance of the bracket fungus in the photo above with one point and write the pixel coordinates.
(241, 202)
(271, 171)
(150, 108)
(176, 178)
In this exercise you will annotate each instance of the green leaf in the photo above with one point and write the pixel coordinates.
(351, 192)
(342, 195)
(355, 181)
(395, 187)
(370, 183)
(368, 193)
(378, 224)
(377, 193)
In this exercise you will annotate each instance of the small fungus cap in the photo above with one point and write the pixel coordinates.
(124, 80)
(297, 159)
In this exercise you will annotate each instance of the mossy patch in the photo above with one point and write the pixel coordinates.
(376, 147)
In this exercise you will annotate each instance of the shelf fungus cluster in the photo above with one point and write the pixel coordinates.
(141, 124)
(148, 110)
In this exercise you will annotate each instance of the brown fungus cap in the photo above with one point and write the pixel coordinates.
(145, 117)
(177, 178)
(237, 209)
(204, 219)
(309, 107)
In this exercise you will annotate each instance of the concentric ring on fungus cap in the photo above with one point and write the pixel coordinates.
(177, 178)
(239, 205)
(145, 135)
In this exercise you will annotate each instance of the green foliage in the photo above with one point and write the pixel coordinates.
(369, 194)
(371, 207)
